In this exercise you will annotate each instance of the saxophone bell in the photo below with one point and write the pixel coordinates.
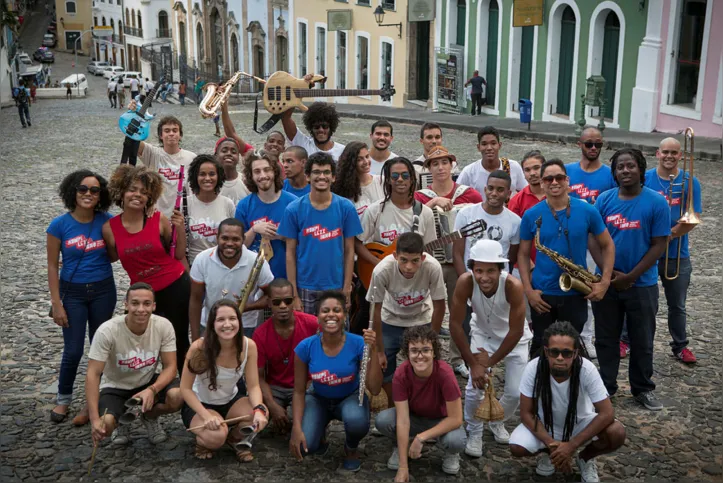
(216, 96)
(567, 283)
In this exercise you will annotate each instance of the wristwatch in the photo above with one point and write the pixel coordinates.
(261, 408)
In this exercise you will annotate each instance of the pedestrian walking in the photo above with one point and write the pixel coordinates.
(182, 93)
(135, 88)
(479, 84)
(33, 92)
(147, 88)
(21, 94)
(112, 93)
(68, 91)
(121, 92)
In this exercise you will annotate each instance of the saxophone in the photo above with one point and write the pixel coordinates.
(265, 254)
(574, 276)
(216, 96)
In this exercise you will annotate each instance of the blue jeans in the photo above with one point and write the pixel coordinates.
(84, 303)
(319, 411)
(182, 98)
(24, 112)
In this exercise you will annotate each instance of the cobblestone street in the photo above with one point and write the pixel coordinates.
(683, 441)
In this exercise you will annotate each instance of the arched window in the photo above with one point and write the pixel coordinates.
(103, 21)
(140, 25)
(163, 30)
(234, 53)
(133, 19)
(120, 30)
(199, 39)
(112, 25)
(128, 20)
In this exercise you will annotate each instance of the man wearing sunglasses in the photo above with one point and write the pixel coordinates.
(276, 340)
(221, 272)
(321, 121)
(566, 224)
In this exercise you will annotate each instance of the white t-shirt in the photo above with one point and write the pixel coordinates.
(370, 193)
(134, 84)
(385, 226)
(203, 221)
(169, 167)
(227, 283)
(377, 165)
(405, 302)
(592, 390)
(307, 143)
(130, 359)
(235, 190)
(112, 86)
(475, 175)
(504, 228)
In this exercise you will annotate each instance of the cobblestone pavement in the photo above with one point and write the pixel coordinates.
(680, 442)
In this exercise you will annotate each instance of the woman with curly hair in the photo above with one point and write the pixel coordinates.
(83, 293)
(427, 404)
(209, 385)
(321, 121)
(140, 237)
(354, 180)
(206, 207)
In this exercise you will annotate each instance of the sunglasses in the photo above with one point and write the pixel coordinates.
(396, 176)
(286, 300)
(558, 177)
(590, 145)
(555, 353)
(321, 125)
(82, 189)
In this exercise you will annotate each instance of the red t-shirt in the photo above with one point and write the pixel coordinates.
(521, 202)
(273, 351)
(426, 397)
(471, 195)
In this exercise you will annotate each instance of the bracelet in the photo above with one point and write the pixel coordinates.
(262, 409)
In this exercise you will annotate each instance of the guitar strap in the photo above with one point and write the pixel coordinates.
(271, 122)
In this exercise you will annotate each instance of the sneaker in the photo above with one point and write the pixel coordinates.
(474, 446)
(393, 461)
(591, 352)
(121, 436)
(686, 356)
(624, 350)
(649, 400)
(462, 370)
(588, 470)
(500, 433)
(545, 466)
(375, 432)
(450, 463)
(156, 434)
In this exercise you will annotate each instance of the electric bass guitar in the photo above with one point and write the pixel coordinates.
(476, 228)
(137, 125)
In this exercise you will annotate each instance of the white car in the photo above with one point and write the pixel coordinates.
(25, 59)
(127, 76)
(74, 80)
(96, 68)
(113, 71)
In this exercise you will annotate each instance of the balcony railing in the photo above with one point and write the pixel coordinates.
(133, 31)
(163, 33)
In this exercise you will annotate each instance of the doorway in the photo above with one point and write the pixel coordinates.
(566, 57)
(422, 58)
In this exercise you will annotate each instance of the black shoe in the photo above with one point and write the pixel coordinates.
(57, 417)
(29, 124)
(649, 400)
(24, 126)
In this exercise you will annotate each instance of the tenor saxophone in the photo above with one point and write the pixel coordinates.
(574, 276)
(253, 276)
(216, 96)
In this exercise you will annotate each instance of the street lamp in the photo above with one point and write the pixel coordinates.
(379, 17)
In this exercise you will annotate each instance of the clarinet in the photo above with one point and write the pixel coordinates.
(180, 192)
(365, 357)
(186, 219)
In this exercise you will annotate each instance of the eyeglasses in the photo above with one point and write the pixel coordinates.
(83, 189)
(558, 177)
(590, 144)
(320, 125)
(318, 172)
(426, 351)
(286, 300)
(555, 353)
(395, 176)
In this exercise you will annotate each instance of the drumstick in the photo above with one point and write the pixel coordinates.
(95, 445)
(227, 421)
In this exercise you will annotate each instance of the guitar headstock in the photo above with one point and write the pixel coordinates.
(386, 93)
(476, 228)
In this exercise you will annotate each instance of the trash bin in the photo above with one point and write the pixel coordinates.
(525, 111)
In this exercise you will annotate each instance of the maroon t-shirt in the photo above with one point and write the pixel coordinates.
(276, 353)
(428, 397)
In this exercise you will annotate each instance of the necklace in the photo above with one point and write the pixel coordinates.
(560, 227)
(491, 300)
(278, 343)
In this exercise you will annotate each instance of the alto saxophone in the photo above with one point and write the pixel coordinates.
(574, 276)
(265, 253)
(216, 96)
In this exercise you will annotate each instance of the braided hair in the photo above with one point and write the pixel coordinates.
(542, 391)
(387, 177)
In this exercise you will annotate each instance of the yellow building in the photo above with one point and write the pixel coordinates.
(74, 18)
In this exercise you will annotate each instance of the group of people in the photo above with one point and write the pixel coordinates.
(264, 287)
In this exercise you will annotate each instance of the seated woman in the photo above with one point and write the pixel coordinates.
(214, 366)
(427, 404)
(333, 359)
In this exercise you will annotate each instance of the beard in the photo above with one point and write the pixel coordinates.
(559, 372)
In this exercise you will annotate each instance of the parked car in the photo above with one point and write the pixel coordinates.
(73, 80)
(113, 71)
(49, 40)
(43, 55)
(97, 67)
(24, 58)
(127, 76)
(52, 28)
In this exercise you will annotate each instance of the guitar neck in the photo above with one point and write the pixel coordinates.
(443, 241)
(150, 97)
(335, 92)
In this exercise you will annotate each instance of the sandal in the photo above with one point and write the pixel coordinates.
(58, 417)
(243, 454)
(203, 453)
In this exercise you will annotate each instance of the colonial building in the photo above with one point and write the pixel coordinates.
(109, 13)
(75, 21)
(147, 29)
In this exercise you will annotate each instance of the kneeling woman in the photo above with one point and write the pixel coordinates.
(427, 405)
(214, 366)
(333, 359)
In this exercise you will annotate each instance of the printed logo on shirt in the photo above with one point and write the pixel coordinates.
(583, 191)
(360, 211)
(80, 241)
(320, 233)
(202, 230)
(407, 299)
(622, 223)
(134, 361)
(676, 201)
(170, 174)
(265, 219)
(388, 234)
(495, 232)
(330, 379)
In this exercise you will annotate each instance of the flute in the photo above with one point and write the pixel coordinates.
(179, 194)
(365, 356)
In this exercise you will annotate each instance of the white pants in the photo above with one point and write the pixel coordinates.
(522, 436)
(589, 329)
(515, 364)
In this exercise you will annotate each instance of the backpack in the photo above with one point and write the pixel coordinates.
(22, 95)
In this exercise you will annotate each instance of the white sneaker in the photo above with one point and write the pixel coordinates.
(474, 445)
(121, 435)
(545, 466)
(590, 346)
(462, 370)
(588, 470)
(374, 431)
(156, 434)
(450, 464)
(393, 461)
(500, 433)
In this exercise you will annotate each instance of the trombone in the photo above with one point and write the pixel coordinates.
(688, 218)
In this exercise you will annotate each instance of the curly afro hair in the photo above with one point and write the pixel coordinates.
(248, 173)
(195, 167)
(124, 177)
(67, 189)
(347, 184)
(420, 333)
(321, 112)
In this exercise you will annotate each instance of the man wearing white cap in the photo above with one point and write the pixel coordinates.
(498, 332)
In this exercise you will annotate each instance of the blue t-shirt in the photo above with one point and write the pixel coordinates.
(655, 183)
(333, 377)
(296, 192)
(586, 186)
(251, 210)
(319, 239)
(632, 225)
(74, 238)
(584, 219)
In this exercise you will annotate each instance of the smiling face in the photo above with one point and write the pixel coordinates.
(331, 316)
(293, 166)
(363, 162)
(441, 169)
(170, 135)
(140, 304)
(228, 154)
(88, 200)
(400, 179)
(226, 323)
(669, 154)
(560, 345)
(627, 172)
(136, 198)
(321, 177)
(431, 139)
(207, 178)
(230, 242)
(381, 138)
(263, 174)
(497, 192)
(489, 147)
(421, 356)
(275, 143)
(487, 276)
(409, 263)
(554, 181)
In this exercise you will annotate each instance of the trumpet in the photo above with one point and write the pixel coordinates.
(217, 95)
(688, 218)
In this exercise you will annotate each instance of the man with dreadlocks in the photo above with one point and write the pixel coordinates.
(321, 121)
(563, 406)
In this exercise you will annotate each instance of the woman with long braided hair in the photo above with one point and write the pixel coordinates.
(563, 406)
